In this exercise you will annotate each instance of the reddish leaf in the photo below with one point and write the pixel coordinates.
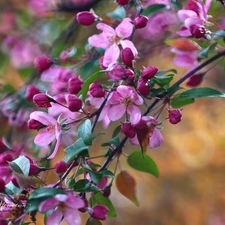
(183, 45)
(126, 185)
(143, 138)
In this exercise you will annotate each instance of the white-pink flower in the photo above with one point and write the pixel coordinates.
(125, 100)
(110, 39)
(49, 133)
(63, 205)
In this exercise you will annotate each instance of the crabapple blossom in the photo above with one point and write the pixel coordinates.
(125, 100)
(98, 212)
(63, 206)
(175, 116)
(85, 18)
(195, 79)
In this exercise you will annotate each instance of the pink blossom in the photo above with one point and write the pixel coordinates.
(124, 100)
(64, 206)
(110, 39)
(48, 134)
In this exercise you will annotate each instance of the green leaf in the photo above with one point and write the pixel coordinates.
(153, 9)
(162, 72)
(107, 173)
(95, 176)
(25, 72)
(89, 68)
(163, 80)
(84, 132)
(21, 165)
(178, 102)
(75, 149)
(92, 166)
(116, 131)
(202, 93)
(118, 14)
(11, 189)
(99, 198)
(204, 53)
(176, 4)
(85, 185)
(93, 221)
(218, 34)
(89, 81)
(115, 141)
(143, 163)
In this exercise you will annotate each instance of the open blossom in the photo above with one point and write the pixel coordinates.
(110, 39)
(123, 100)
(49, 133)
(64, 206)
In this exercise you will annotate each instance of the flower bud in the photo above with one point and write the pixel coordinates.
(127, 56)
(129, 74)
(122, 2)
(42, 62)
(128, 130)
(149, 72)
(85, 18)
(3, 222)
(34, 124)
(31, 91)
(101, 63)
(198, 31)
(194, 6)
(143, 87)
(117, 73)
(175, 116)
(74, 103)
(107, 191)
(42, 100)
(34, 170)
(74, 85)
(60, 167)
(15, 182)
(5, 158)
(195, 79)
(98, 212)
(140, 22)
(3, 147)
(2, 185)
(96, 90)
(84, 209)
(65, 74)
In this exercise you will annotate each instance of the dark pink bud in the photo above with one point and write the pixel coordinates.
(107, 191)
(195, 79)
(5, 158)
(85, 18)
(175, 116)
(3, 222)
(60, 167)
(15, 182)
(3, 147)
(31, 91)
(74, 85)
(65, 75)
(122, 2)
(149, 72)
(194, 6)
(84, 209)
(42, 100)
(143, 87)
(34, 124)
(42, 62)
(34, 170)
(2, 185)
(74, 103)
(127, 56)
(99, 212)
(117, 73)
(129, 74)
(198, 31)
(140, 22)
(128, 130)
(96, 90)
(101, 63)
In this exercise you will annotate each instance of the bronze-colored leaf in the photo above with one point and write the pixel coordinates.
(183, 44)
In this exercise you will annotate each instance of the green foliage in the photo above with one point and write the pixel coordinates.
(114, 141)
(84, 185)
(153, 9)
(178, 102)
(11, 189)
(21, 165)
(118, 14)
(84, 132)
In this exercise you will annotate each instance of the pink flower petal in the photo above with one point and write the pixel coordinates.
(192, 21)
(43, 117)
(125, 28)
(156, 139)
(75, 202)
(44, 138)
(116, 112)
(124, 91)
(48, 204)
(72, 217)
(58, 141)
(129, 44)
(61, 197)
(134, 140)
(135, 114)
(184, 14)
(184, 33)
(111, 55)
(55, 218)
(137, 99)
(107, 30)
(114, 98)
(99, 41)
(185, 61)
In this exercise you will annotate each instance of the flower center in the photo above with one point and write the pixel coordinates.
(51, 128)
(127, 102)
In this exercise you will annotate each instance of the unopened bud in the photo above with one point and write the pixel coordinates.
(143, 87)
(127, 56)
(74, 85)
(198, 31)
(5, 158)
(15, 182)
(194, 6)
(101, 63)
(195, 79)
(42, 62)
(128, 130)
(149, 72)
(99, 212)
(34, 170)
(85, 18)
(34, 124)
(60, 167)
(175, 116)
(2, 185)
(74, 103)
(122, 2)
(3, 147)
(31, 91)
(107, 191)
(3, 222)
(140, 22)
(96, 90)
(42, 100)
(84, 209)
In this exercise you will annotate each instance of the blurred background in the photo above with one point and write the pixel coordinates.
(191, 187)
